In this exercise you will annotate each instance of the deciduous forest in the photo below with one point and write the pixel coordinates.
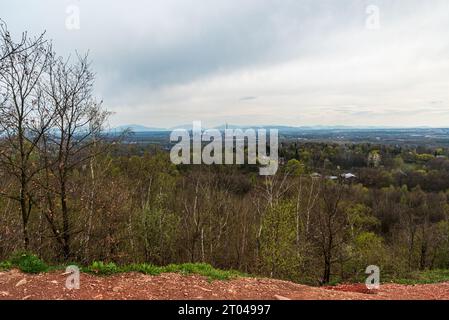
(71, 193)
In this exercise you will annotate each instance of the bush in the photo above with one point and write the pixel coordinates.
(203, 269)
(421, 277)
(144, 268)
(28, 263)
(100, 267)
(5, 265)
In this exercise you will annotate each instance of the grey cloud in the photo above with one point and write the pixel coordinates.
(141, 50)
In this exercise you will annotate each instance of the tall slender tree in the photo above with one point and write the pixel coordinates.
(77, 129)
(24, 117)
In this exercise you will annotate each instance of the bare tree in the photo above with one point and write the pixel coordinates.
(308, 191)
(24, 116)
(9, 47)
(78, 123)
(330, 223)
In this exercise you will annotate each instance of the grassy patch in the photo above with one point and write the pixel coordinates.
(30, 263)
(144, 268)
(422, 277)
(5, 265)
(202, 269)
(101, 268)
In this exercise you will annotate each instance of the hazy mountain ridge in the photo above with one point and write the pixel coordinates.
(284, 128)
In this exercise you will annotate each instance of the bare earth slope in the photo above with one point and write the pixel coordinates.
(17, 285)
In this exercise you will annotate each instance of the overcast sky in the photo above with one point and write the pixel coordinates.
(298, 62)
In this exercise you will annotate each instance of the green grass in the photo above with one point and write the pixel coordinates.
(422, 277)
(5, 265)
(415, 277)
(202, 269)
(145, 268)
(101, 268)
(30, 263)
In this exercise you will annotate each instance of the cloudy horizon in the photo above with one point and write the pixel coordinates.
(297, 63)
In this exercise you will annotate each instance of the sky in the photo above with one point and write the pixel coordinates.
(255, 62)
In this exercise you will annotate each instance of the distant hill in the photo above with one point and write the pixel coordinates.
(280, 128)
(136, 128)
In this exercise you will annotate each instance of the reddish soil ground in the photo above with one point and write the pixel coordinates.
(17, 285)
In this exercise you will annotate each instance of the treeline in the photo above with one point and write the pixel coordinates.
(67, 194)
(144, 209)
(376, 165)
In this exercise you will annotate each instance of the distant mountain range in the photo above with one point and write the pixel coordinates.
(141, 128)
(136, 128)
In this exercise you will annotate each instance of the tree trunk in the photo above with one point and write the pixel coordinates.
(422, 262)
(24, 212)
(65, 220)
(327, 270)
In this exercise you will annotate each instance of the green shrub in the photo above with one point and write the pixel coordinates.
(32, 264)
(421, 277)
(28, 263)
(203, 269)
(144, 268)
(5, 265)
(100, 267)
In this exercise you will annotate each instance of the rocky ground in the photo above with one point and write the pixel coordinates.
(17, 285)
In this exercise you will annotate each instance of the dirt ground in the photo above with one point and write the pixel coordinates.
(17, 285)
